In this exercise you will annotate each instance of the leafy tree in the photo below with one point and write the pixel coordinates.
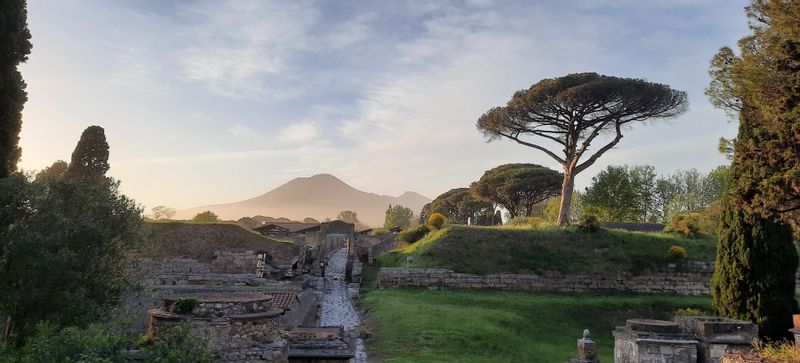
(756, 259)
(90, 157)
(56, 170)
(517, 187)
(572, 111)
(348, 216)
(622, 194)
(84, 229)
(398, 216)
(205, 217)
(15, 44)
(310, 220)
(459, 206)
(162, 212)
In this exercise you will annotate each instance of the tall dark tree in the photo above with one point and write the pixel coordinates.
(517, 187)
(756, 259)
(572, 112)
(459, 206)
(90, 157)
(15, 46)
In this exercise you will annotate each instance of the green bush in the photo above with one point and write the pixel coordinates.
(184, 305)
(677, 254)
(684, 224)
(589, 224)
(415, 234)
(106, 342)
(436, 221)
(177, 345)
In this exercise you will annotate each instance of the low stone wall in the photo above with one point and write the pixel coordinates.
(692, 279)
(186, 271)
(676, 283)
(234, 262)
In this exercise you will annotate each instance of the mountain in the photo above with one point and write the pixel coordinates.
(320, 196)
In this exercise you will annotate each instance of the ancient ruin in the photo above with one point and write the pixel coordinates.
(259, 299)
(688, 339)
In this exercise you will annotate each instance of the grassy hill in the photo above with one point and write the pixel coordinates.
(484, 250)
(200, 240)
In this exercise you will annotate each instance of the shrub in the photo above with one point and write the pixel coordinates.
(537, 222)
(677, 254)
(436, 221)
(517, 221)
(178, 345)
(412, 235)
(589, 224)
(684, 224)
(184, 305)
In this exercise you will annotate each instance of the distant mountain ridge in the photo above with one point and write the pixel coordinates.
(320, 196)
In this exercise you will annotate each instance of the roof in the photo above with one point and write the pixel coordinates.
(635, 227)
(283, 299)
(288, 227)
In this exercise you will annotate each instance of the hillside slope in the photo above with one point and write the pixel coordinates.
(319, 196)
(486, 250)
(199, 241)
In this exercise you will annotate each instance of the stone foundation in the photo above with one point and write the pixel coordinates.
(240, 327)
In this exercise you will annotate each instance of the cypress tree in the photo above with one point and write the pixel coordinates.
(90, 158)
(756, 258)
(15, 46)
(754, 277)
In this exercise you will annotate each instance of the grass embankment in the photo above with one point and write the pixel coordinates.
(200, 240)
(484, 250)
(416, 325)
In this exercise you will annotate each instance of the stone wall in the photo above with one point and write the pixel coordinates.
(186, 271)
(692, 279)
(234, 262)
(677, 283)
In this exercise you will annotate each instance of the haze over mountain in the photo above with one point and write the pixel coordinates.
(320, 196)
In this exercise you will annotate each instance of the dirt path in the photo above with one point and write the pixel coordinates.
(337, 308)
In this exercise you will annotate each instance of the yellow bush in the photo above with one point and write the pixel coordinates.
(436, 221)
(684, 224)
(677, 254)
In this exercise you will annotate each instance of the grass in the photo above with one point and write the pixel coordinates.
(416, 325)
(484, 250)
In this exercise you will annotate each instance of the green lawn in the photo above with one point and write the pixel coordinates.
(484, 250)
(417, 325)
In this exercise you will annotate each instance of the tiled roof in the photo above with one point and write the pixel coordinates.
(283, 299)
(291, 227)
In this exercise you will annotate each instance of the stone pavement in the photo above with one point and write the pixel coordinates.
(337, 308)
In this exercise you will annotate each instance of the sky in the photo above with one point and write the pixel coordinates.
(218, 101)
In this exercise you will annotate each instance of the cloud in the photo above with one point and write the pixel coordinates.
(300, 132)
(244, 49)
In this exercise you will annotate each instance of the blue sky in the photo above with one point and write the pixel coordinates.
(216, 101)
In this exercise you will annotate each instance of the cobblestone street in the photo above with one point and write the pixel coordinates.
(337, 308)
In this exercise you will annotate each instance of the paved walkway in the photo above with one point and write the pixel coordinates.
(337, 308)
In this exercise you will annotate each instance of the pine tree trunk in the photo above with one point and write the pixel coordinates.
(566, 197)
